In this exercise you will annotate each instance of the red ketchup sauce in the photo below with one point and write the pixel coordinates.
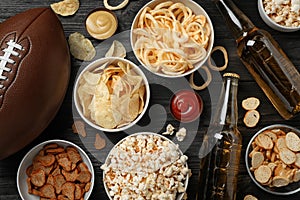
(186, 105)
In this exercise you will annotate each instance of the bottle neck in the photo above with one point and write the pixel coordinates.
(236, 20)
(227, 110)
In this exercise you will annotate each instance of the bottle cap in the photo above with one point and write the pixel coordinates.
(233, 75)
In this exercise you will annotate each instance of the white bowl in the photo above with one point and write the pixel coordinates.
(108, 160)
(27, 161)
(272, 23)
(291, 188)
(197, 9)
(98, 63)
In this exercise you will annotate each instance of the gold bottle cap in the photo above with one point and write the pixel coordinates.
(230, 74)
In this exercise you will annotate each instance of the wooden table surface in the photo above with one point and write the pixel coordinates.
(161, 92)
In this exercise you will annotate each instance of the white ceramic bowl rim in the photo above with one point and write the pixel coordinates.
(96, 64)
(248, 164)
(266, 17)
(107, 160)
(208, 50)
(59, 141)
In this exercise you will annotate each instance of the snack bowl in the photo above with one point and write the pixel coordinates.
(261, 164)
(113, 94)
(142, 161)
(167, 46)
(28, 160)
(271, 23)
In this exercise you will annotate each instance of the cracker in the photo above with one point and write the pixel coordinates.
(271, 134)
(46, 160)
(38, 178)
(292, 141)
(47, 191)
(263, 174)
(78, 192)
(250, 197)
(297, 162)
(264, 141)
(280, 181)
(251, 118)
(280, 144)
(84, 177)
(59, 180)
(68, 189)
(250, 103)
(257, 159)
(296, 176)
(70, 176)
(287, 156)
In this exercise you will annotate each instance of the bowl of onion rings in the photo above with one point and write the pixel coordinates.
(172, 38)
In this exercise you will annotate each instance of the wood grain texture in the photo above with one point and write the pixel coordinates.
(60, 128)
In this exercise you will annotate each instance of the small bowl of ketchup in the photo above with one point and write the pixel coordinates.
(186, 105)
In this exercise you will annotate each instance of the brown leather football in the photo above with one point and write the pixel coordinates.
(34, 76)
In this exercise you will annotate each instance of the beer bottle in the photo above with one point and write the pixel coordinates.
(265, 60)
(221, 148)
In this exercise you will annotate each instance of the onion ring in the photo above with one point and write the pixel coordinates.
(120, 6)
(225, 54)
(207, 82)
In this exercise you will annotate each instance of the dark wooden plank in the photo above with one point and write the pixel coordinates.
(60, 128)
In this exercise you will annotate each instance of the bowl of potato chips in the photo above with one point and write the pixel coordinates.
(111, 94)
(172, 38)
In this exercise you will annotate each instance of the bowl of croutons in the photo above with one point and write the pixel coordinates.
(273, 159)
(55, 169)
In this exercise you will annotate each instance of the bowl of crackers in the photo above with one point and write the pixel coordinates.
(55, 169)
(146, 165)
(273, 159)
(172, 38)
(111, 94)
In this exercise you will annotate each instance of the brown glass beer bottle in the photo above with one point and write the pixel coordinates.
(265, 60)
(221, 148)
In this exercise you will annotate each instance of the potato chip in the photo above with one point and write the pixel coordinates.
(81, 47)
(79, 128)
(99, 142)
(65, 7)
(117, 49)
(117, 98)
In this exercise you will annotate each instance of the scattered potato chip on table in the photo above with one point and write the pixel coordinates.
(81, 47)
(65, 7)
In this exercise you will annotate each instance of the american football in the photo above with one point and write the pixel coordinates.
(34, 76)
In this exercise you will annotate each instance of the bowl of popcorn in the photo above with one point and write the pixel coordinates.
(146, 166)
(273, 159)
(172, 38)
(281, 15)
(111, 94)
